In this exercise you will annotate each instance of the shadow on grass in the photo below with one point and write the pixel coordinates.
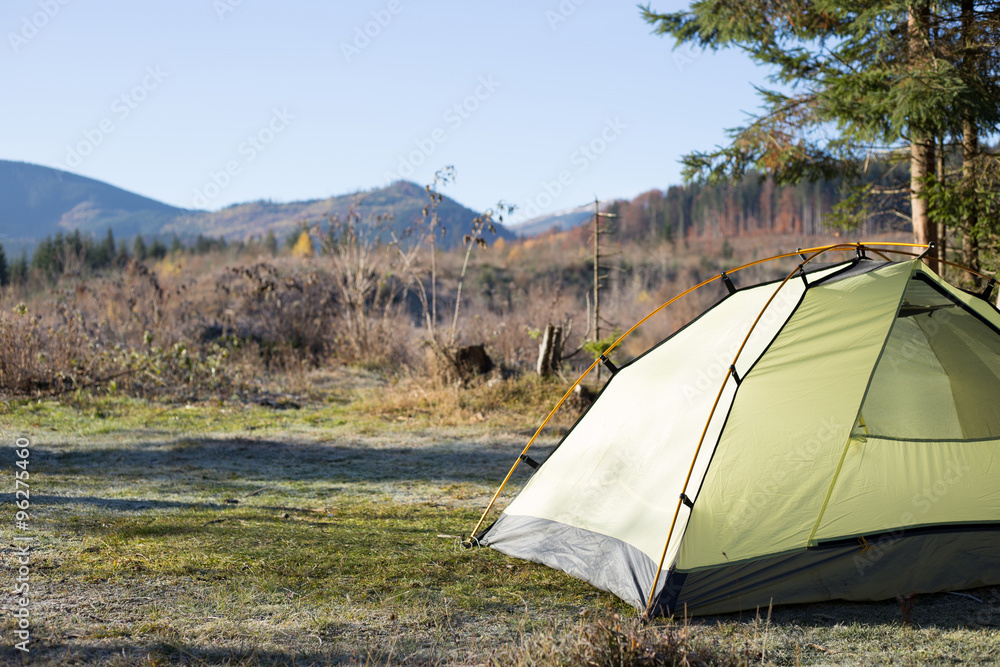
(118, 504)
(973, 609)
(182, 654)
(288, 461)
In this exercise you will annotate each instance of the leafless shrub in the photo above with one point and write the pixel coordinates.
(108, 332)
(289, 315)
(364, 272)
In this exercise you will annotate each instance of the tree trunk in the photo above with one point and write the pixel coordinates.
(921, 165)
(970, 151)
(970, 240)
(942, 228)
(921, 142)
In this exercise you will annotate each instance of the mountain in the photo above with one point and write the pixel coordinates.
(560, 220)
(37, 201)
(403, 201)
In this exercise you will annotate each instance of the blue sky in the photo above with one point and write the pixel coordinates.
(205, 103)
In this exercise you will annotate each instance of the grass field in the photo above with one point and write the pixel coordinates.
(327, 533)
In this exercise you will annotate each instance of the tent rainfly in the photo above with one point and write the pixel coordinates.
(851, 452)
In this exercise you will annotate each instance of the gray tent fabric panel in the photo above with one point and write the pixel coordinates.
(607, 563)
(893, 564)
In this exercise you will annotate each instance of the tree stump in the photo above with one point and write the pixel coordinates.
(459, 364)
(550, 351)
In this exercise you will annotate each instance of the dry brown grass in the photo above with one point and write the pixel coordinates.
(196, 327)
(623, 642)
(124, 332)
(519, 404)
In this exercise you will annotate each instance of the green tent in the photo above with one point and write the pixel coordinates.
(832, 436)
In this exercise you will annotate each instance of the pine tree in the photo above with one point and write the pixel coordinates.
(139, 250)
(857, 80)
(45, 258)
(293, 237)
(4, 276)
(157, 250)
(18, 272)
(107, 250)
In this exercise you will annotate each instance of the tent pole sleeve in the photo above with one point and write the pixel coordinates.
(729, 283)
(610, 364)
(988, 290)
(532, 463)
(802, 274)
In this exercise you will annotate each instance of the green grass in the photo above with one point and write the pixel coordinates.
(239, 534)
(225, 532)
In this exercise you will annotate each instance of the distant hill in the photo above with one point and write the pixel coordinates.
(403, 200)
(560, 221)
(37, 201)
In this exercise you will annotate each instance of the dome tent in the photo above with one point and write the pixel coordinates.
(850, 452)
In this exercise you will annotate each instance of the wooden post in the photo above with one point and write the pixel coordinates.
(597, 278)
(942, 229)
(597, 274)
(555, 357)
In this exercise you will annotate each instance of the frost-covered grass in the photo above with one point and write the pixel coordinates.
(247, 535)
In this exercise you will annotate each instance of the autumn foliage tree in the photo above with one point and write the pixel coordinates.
(303, 247)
